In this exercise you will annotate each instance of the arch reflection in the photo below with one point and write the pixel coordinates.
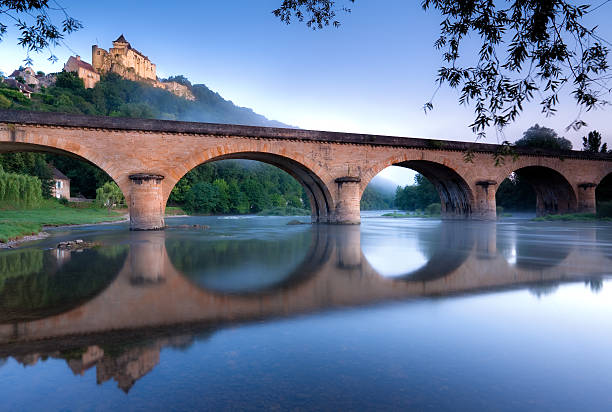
(256, 264)
(36, 283)
(428, 251)
(531, 249)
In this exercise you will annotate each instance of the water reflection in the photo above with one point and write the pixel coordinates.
(116, 307)
(38, 283)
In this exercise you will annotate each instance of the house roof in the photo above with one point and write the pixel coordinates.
(22, 87)
(83, 64)
(57, 175)
(121, 39)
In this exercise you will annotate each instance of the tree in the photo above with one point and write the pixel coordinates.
(109, 196)
(592, 143)
(418, 196)
(527, 48)
(34, 19)
(543, 138)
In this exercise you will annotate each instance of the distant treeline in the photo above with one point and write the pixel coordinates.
(237, 187)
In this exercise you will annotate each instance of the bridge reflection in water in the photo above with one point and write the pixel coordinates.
(152, 290)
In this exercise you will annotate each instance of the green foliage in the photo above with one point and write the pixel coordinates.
(5, 102)
(285, 211)
(543, 138)
(434, 209)
(418, 196)
(109, 196)
(237, 187)
(203, 197)
(375, 199)
(515, 195)
(19, 191)
(33, 164)
(569, 217)
(592, 143)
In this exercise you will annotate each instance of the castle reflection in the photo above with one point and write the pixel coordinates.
(116, 307)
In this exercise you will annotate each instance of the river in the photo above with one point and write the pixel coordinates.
(252, 313)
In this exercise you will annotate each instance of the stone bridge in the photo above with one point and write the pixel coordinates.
(148, 157)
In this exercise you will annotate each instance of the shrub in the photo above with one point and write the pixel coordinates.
(109, 196)
(434, 209)
(5, 103)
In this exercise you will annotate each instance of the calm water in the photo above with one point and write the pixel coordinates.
(396, 314)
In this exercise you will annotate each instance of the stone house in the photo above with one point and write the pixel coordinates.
(61, 185)
(28, 75)
(84, 70)
(23, 88)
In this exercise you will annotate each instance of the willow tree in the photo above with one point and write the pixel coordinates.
(529, 49)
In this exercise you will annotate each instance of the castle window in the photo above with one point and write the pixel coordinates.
(98, 52)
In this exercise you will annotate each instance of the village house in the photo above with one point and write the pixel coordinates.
(23, 88)
(61, 185)
(84, 70)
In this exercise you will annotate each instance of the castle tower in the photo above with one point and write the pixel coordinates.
(121, 43)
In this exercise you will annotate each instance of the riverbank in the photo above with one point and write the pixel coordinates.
(572, 217)
(16, 224)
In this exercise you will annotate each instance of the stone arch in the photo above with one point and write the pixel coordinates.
(603, 192)
(71, 149)
(456, 196)
(554, 193)
(310, 175)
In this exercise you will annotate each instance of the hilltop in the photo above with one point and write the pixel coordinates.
(116, 96)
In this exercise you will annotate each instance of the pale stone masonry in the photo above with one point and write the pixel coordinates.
(148, 157)
(84, 70)
(123, 60)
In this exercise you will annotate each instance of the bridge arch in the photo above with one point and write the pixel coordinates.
(456, 196)
(310, 175)
(554, 192)
(74, 150)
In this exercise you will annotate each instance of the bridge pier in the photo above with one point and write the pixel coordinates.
(486, 206)
(348, 211)
(146, 202)
(587, 203)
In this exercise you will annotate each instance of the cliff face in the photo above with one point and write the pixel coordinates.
(177, 89)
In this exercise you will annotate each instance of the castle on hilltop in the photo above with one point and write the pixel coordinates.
(125, 61)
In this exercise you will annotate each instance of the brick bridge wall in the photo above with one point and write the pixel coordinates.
(148, 157)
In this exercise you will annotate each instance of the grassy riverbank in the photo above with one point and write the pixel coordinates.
(410, 215)
(572, 217)
(17, 223)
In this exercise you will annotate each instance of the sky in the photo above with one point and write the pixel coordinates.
(371, 75)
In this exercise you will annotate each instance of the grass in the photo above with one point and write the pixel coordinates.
(15, 224)
(571, 217)
(174, 211)
(285, 211)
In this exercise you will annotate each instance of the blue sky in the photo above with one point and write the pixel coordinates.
(372, 75)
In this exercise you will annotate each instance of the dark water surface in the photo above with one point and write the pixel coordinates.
(396, 314)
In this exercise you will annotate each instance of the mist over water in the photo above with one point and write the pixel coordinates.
(253, 313)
